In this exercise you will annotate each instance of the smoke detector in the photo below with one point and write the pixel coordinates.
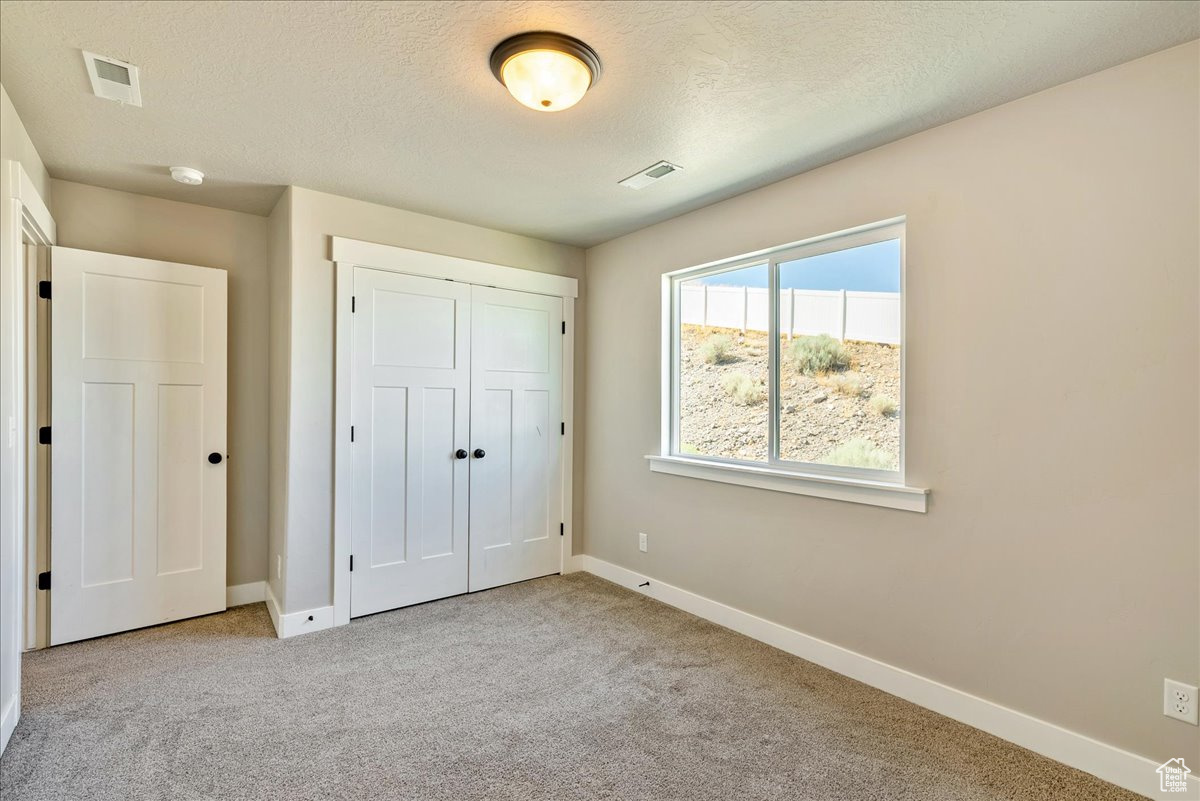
(113, 79)
(187, 175)
(655, 172)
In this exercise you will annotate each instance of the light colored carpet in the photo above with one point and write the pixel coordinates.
(560, 688)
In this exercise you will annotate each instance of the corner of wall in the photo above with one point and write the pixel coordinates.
(279, 226)
(19, 147)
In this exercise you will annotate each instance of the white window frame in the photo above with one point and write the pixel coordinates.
(862, 485)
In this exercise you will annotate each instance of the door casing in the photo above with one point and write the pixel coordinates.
(24, 219)
(351, 253)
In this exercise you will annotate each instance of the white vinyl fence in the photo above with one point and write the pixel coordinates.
(862, 316)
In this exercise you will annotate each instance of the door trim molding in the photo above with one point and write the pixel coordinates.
(349, 254)
(32, 223)
(24, 217)
(34, 212)
(451, 268)
(343, 462)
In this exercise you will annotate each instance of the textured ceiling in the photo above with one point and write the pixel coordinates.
(394, 103)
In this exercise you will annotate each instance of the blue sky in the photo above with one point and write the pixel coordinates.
(870, 268)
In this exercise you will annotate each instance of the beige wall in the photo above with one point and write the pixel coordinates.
(1053, 392)
(315, 218)
(136, 225)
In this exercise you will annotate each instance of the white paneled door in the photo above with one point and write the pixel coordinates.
(138, 470)
(410, 402)
(456, 409)
(516, 436)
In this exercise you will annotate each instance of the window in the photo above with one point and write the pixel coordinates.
(790, 363)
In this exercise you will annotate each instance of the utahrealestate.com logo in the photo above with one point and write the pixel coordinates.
(1173, 776)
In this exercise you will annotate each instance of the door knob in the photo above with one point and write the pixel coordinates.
(460, 454)
(479, 454)
(214, 458)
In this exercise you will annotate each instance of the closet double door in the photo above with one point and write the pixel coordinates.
(456, 407)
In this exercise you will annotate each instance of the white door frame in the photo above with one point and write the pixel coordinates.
(351, 253)
(25, 219)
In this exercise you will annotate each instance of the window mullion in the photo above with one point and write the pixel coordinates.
(774, 393)
(675, 356)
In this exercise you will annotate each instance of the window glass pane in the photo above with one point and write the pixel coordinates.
(839, 325)
(723, 365)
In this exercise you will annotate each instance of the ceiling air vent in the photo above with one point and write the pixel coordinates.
(113, 79)
(655, 172)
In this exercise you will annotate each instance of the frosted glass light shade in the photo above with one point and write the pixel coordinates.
(546, 80)
(545, 71)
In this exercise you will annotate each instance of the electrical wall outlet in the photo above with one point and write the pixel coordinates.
(1179, 701)
(642, 541)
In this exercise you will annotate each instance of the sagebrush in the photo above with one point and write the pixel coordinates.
(849, 384)
(818, 354)
(860, 452)
(883, 406)
(744, 390)
(717, 349)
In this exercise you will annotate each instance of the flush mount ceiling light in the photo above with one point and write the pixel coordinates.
(545, 71)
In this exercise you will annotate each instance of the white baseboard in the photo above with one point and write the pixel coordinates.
(8, 720)
(272, 607)
(304, 622)
(242, 594)
(1122, 768)
(294, 623)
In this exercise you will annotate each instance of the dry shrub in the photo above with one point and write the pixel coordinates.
(860, 452)
(848, 384)
(744, 390)
(819, 354)
(717, 349)
(883, 406)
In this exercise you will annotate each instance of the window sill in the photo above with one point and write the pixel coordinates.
(873, 493)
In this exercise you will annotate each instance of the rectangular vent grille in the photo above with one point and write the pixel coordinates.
(112, 72)
(655, 172)
(113, 79)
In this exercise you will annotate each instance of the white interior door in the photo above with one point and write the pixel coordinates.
(516, 436)
(138, 404)
(410, 387)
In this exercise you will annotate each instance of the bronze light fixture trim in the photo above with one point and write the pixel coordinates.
(544, 70)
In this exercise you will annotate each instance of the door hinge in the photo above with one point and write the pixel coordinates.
(353, 304)
(564, 326)
(562, 527)
(351, 563)
(563, 430)
(44, 435)
(352, 433)
(44, 580)
(44, 290)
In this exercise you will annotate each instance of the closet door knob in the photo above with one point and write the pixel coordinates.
(214, 458)
(460, 454)
(479, 454)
